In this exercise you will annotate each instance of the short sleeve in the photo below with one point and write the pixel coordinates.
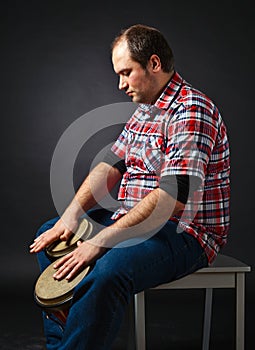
(191, 136)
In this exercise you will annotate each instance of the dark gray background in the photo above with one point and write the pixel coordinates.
(56, 66)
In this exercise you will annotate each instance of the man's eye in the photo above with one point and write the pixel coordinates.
(126, 73)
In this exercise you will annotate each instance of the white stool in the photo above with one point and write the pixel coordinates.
(225, 272)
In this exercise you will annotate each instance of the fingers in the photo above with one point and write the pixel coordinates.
(66, 235)
(68, 267)
(61, 261)
(49, 237)
(39, 243)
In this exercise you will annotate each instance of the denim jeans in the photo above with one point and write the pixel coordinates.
(100, 299)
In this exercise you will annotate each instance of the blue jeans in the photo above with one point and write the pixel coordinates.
(101, 298)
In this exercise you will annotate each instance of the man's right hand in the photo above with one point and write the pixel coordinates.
(98, 184)
(59, 231)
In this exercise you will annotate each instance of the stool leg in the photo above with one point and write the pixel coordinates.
(131, 327)
(140, 321)
(207, 318)
(240, 291)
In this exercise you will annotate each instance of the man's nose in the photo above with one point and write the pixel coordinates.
(122, 83)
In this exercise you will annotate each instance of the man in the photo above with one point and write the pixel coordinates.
(173, 161)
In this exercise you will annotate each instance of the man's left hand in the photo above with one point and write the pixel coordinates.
(71, 264)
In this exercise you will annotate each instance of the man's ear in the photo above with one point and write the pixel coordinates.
(155, 63)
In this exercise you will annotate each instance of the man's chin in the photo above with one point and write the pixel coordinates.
(136, 99)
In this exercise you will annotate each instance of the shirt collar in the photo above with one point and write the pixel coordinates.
(168, 95)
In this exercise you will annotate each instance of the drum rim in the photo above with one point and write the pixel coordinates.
(53, 303)
(57, 254)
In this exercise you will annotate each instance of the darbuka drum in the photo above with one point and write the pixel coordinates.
(55, 296)
(60, 248)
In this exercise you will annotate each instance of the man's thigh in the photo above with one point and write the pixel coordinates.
(166, 256)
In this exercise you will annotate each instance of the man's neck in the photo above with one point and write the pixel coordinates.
(163, 81)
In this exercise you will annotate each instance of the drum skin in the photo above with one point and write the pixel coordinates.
(55, 296)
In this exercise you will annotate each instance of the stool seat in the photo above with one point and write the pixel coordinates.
(225, 272)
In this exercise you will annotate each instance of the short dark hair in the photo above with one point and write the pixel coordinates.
(144, 41)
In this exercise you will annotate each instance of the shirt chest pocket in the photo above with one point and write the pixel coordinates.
(152, 153)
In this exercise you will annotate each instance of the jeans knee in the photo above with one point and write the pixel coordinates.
(108, 280)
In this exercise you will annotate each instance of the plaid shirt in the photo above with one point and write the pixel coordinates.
(181, 134)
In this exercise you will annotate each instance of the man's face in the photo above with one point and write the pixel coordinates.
(138, 83)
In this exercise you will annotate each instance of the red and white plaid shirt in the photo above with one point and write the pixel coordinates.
(181, 134)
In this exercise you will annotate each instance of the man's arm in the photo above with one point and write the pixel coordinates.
(99, 182)
(151, 213)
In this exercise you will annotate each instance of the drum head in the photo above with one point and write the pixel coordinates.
(50, 292)
(60, 248)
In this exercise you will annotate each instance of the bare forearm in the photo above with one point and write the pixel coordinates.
(149, 214)
(99, 182)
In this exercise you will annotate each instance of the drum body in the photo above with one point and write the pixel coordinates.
(55, 296)
(60, 248)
